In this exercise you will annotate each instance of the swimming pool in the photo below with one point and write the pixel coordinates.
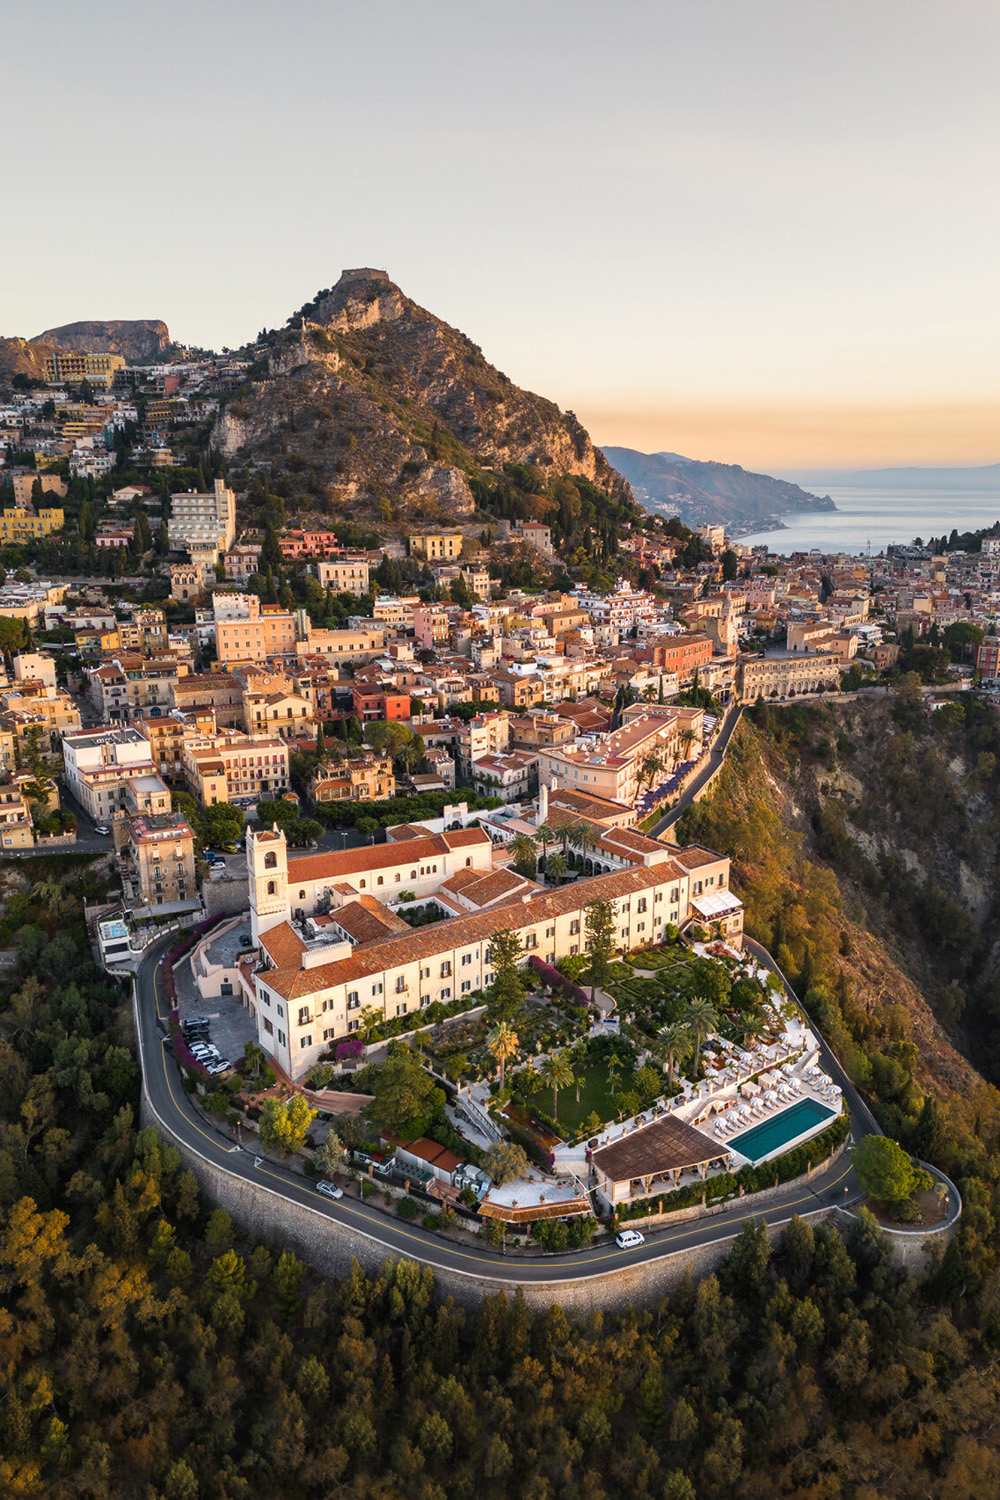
(769, 1135)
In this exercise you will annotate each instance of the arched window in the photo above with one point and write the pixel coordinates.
(270, 887)
(362, 885)
(468, 862)
(302, 895)
(381, 881)
(270, 861)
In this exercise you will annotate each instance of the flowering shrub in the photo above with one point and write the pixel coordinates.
(352, 1048)
(552, 978)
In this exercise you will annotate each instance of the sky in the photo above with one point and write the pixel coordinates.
(764, 233)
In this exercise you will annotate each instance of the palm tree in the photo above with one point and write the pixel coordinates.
(525, 855)
(556, 868)
(675, 1038)
(545, 836)
(749, 1027)
(702, 1018)
(614, 1067)
(649, 768)
(556, 1073)
(503, 1042)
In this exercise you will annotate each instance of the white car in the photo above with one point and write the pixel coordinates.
(329, 1190)
(629, 1239)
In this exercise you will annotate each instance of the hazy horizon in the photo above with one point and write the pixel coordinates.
(754, 234)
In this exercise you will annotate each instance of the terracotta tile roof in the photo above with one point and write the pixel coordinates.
(345, 862)
(694, 856)
(366, 920)
(460, 932)
(661, 1147)
(283, 945)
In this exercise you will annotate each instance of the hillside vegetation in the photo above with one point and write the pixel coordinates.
(856, 931)
(371, 406)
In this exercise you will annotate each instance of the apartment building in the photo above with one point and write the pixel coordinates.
(374, 701)
(307, 992)
(167, 735)
(27, 526)
(486, 734)
(98, 764)
(73, 367)
(344, 575)
(787, 675)
(395, 613)
(231, 766)
(681, 654)
(155, 848)
(619, 765)
(36, 703)
(24, 484)
(344, 647)
(260, 633)
(16, 830)
(436, 545)
(362, 778)
(276, 712)
(203, 521)
(512, 778)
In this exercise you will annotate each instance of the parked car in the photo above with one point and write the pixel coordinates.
(231, 848)
(329, 1190)
(102, 829)
(194, 1021)
(629, 1239)
(222, 1066)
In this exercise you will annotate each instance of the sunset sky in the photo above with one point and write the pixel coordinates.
(764, 233)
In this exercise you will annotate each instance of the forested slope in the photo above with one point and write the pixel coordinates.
(151, 1352)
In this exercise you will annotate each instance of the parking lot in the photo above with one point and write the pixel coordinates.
(230, 1026)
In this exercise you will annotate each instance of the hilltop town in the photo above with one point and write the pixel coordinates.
(413, 776)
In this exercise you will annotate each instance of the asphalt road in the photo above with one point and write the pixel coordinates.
(836, 1184)
(715, 759)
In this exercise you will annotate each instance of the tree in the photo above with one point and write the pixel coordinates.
(505, 1162)
(730, 565)
(883, 1169)
(556, 1073)
(545, 836)
(389, 737)
(601, 940)
(330, 1156)
(556, 868)
(525, 856)
(702, 1018)
(506, 989)
(502, 1042)
(403, 1093)
(675, 1039)
(223, 824)
(284, 1126)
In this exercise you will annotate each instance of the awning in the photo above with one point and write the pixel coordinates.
(168, 909)
(716, 904)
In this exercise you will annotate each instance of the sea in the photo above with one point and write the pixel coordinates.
(870, 519)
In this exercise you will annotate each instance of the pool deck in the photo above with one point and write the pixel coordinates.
(787, 1143)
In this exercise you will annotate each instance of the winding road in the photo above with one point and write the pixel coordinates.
(178, 1119)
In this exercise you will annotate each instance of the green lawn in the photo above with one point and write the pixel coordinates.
(595, 1095)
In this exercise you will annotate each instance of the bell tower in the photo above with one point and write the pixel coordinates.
(267, 871)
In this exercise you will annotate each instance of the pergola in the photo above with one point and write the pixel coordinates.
(661, 1151)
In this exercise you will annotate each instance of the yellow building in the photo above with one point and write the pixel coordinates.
(73, 367)
(22, 526)
(436, 546)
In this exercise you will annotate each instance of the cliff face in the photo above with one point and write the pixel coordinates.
(393, 410)
(722, 494)
(138, 341)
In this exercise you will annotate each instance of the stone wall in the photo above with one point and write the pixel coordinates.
(332, 1247)
(225, 897)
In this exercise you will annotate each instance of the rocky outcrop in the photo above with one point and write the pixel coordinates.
(386, 406)
(139, 341)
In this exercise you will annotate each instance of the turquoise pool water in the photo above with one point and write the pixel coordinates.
(770, 1135)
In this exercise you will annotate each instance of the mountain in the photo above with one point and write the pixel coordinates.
(984, 477)
(371, 402)
(723, 494)
(140, 340)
